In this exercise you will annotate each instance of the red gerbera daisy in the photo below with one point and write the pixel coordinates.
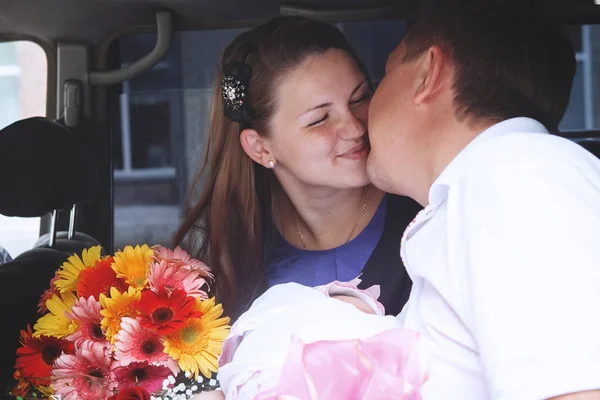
(99, 279)
(143, 375)
(36, 356)
(164, 313)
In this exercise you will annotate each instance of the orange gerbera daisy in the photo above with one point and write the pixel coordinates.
(23, 385)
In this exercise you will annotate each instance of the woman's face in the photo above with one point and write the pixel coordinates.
(318, 134)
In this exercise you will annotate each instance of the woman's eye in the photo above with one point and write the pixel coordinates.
(319, 121)
(361, 99)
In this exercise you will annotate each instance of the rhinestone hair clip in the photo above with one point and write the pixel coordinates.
(234, 90)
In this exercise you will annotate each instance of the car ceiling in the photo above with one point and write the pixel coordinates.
(92, 20)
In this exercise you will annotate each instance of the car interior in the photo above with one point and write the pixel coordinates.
(105, 105)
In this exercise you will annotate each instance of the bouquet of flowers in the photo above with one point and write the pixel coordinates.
(137, 321)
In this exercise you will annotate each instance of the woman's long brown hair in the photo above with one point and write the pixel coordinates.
(229, 221)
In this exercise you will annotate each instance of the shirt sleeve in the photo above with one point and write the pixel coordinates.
(531, 242)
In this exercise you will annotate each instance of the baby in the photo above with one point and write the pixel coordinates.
(299, 342)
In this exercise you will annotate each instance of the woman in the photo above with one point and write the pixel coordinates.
(284, 194)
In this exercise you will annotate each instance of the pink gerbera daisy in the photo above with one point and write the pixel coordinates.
(47, 295)
(149, 377)
(167, 277)
(180, 258)
(135, 343)
(86, 313)
(85, 375)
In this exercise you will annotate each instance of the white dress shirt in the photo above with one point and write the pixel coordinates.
(505, 262)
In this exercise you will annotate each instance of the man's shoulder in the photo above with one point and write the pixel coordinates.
(531, 141)
(518, 153)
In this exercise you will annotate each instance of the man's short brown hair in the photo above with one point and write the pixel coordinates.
(509, 62)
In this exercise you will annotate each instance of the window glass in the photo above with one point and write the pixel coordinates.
(574, 118)
(158, 132)
(584, 109)
(23, 73)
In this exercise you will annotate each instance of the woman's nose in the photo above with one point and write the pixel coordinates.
(352, 127)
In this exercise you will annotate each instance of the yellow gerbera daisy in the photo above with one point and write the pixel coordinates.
(68, 274)
(197, 345)
(56, 323)
(117, 306)
(133, 265)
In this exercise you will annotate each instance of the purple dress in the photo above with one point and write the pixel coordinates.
(318, 267)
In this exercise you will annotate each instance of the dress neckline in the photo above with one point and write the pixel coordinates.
(376, 221)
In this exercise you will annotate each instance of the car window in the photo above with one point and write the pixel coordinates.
(23, 86)
(583, 112)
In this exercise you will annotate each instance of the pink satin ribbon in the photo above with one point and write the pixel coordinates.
(386, 366)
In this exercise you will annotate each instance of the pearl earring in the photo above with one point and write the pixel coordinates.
(271, 164)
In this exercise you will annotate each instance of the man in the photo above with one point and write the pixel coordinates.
(505, 256)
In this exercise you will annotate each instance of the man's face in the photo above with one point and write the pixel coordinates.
(391, 123)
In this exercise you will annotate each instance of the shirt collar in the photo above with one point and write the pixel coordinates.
(439, 190)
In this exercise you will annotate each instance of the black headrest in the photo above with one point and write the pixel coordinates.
(44, 166)
(79, 242)
(87, 240)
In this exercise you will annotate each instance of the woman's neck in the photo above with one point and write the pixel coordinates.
(323, 219)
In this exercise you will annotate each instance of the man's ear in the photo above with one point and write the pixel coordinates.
(255, 147)
(431, 75)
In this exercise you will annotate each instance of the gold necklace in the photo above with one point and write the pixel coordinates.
(363, 208)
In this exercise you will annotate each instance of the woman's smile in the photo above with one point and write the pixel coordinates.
(358, 152)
